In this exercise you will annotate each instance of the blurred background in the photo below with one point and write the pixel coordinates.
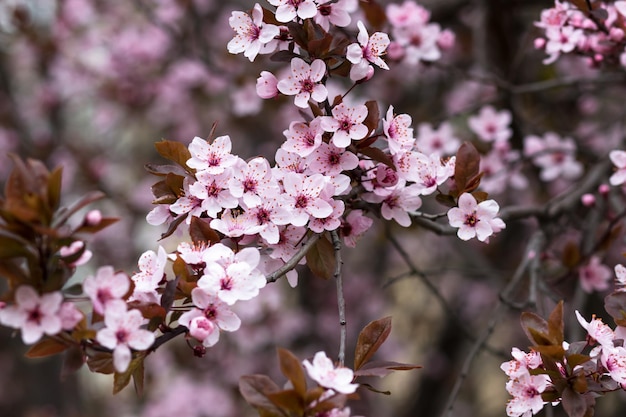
(91, 85)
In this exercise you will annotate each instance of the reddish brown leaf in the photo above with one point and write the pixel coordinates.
(383, 368)
(370, 339)
(174, 151)
(573, 402)
(54, 189)
(466, 167)
(73, 360)
(255, 390)
(615, 305)
(121, 380)
(555, 324)
(287, 400)
(201, 232)
(378, 155)
(374, 13)
(46, 347)
(571, 255)
(373, 116)
(291, 367)
(532, 323)
(101, 362)
(321, 259)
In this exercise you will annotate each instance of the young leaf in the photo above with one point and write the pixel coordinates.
(321, 259)
(373, 116)
(288, 400)
(466, 167)
(291, 367)
(377, 155)
(383, 368)
(555, 324)
(201, 232)
(534, 325)
(255, 389)
(615, 305)
(174, 151)
(574, 403)
(370, 339)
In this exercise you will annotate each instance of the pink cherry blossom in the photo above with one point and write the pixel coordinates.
(521, 363)
(303, 138)
(597, 330)
(429, 172)
(354, 226)
(267, 85)
(324, 373)
(398, 130)
(214, 192)
(330, 160)
(526, 391)
(35, 315)
(106, 287)
(70, 315)
(123, 333)
(74, 248)
(213, 158)
(618, 158)
(614, 360)
(303, 198)
(288, 244)
(561, 40)
(251, 180)
(211, 315)
(475, 219)
(336, 13)
(397, 205)
(305, 82)
(594, 276)
(491, 125)
(368, 50)
(187, 203)
(290, 9)
(332, 222)
(420, 42)
(408, 13)
(441, 141)
(620, 277)
(151, 273)
(554, 155)
(236, 224)
(252, 32)
(346, 123)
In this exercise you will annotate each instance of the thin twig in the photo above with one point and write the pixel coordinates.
(341, 302)
(291, 264)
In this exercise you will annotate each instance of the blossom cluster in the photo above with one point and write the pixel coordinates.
(596, 34)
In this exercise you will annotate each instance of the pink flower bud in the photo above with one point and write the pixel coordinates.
(588, 200)
(385, 176)
(604, 189)
(93, 218)
(540, 43)
(616, 34)
(395, 51)
(267, 85)
(446, 39)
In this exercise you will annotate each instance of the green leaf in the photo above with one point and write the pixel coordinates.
(370, 339)
(321, 259)
(291, 367)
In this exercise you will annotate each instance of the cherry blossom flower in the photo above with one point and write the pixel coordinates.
(290, 9)
(324, 373)
(73, 249)
(614, 360)
(408, 13)
(159, 215)
(188, 203)
(428, 172)
(303, 198)
(106, 287)
(597, 330)
(214, 192)
(441, 141)
(304, 82)
(151, 273)
(336, 13)
(303, 138)
(70, 315)
(420, 42)
(346, 123)
(123, 333)
(561, 40)
(368, 50)
(475, 219)
(213, 158)
(251, 180)
(526, 391)
(211, 315)
(252, 32)
(233, 223)
(267, 85)
(491, 125)
(594, 276)
(330, 160)
(354, 226)
(554, 155)
(521, 363)
(332, 222)
(265, 214)
(35, 315)
(618, 158)
(398, 130)
(288, 242)
(398, 203)
(231, 276)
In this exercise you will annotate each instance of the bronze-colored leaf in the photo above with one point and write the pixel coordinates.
(201, 232)
(383, 368)
(291, 367)
(377, 391)
(321, 259)
(531, 321)
(373, 116)
(571, 255)
(121, 380)
(73, 360)
(573, 402)
(255, 389)
(163, 170)
(378, 155)
(102, 224)
(370, 339)
(101, 362)
(174, 151)
(287, 400)
(46, 347)
(374, 13)
(615, 305)
(466, 167)
(54, 189)
(555, 324)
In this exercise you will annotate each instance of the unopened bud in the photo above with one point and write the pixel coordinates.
(540, 43)
(588, 200)
(604, 189)
(199, 351)
(93, 218)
